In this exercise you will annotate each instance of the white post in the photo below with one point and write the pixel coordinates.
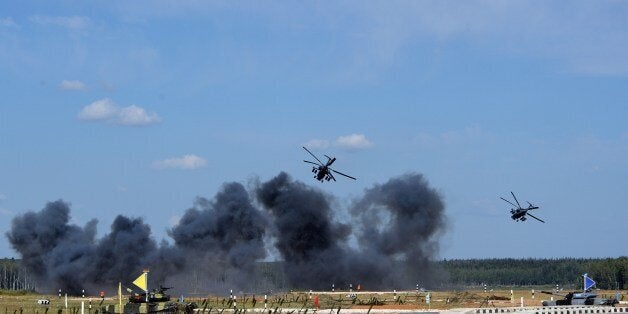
(332, 287)
(310, 293)
(532, 294)
(521, 301)
(82, 307)
(66, 300)
(512, 296)
(395, 294)
(265, 301)
(234, 301)
(147, 292)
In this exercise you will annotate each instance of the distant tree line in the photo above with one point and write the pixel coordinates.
(608, 273)
(14, 277)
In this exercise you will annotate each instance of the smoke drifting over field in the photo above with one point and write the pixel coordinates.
(386, 243)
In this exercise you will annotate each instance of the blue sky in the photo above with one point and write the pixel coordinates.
(138, 107)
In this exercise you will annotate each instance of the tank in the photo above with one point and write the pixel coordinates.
(155, 295)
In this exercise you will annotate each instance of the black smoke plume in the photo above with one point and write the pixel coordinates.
(395, 225)
(224, 236)
(68, 257)
(309, 242)
(387, 241)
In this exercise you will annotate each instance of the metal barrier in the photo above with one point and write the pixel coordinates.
(574, 309)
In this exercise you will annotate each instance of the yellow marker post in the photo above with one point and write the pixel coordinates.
(142, 283)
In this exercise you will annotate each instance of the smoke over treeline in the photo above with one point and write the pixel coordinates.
(386, 242)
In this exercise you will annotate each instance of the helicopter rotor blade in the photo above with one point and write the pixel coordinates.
(507, 201)
(342, 174)
(513, 195)
(307, 150)
(535, 217)
(310, 162)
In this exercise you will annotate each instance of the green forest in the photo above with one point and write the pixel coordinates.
(609, 273)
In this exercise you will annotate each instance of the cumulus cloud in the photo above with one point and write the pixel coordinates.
(134, 115)
(106, 110)
(70, 22)
(353, 142)
(186, 162)
(72, 85)
(316, 144)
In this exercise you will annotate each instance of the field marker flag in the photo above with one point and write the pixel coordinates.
(142, 281)
(588, 282)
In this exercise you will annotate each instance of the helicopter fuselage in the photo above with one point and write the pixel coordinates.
(321, 173)
(520, 213)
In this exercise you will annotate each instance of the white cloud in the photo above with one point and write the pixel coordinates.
(353, 142)
(134, 115)
(103, 109)
(7, 22)
(72, 85)
(2, 197)
(69, 22)
(186, 162)
(316, 144)
(107, 111)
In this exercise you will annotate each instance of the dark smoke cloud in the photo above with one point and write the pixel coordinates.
(68, 257)
(399, 222)
(227, 232)
(395, 226)
(387, 242)
(307, 239)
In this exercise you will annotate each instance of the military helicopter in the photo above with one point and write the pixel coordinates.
(321, 170)
(519, 213)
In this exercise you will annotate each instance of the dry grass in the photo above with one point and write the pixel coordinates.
(301, 300)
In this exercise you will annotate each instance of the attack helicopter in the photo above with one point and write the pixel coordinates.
(519, 213)
(322, 171)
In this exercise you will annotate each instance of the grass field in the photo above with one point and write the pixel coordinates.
(27, 303)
